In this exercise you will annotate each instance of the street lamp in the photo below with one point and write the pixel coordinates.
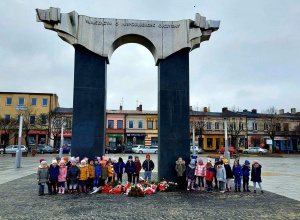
(61, 140)
(194, 152)
(19, 151)
(226, 153)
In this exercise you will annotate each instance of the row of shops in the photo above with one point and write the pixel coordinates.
(131, 139)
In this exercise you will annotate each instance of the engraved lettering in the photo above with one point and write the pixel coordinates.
(97, 22)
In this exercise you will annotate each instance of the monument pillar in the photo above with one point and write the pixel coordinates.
(173, 112)
(89, 104)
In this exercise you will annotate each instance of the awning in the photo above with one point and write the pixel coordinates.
(36, 132)
(66, 134)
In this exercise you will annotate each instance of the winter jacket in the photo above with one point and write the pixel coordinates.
(73, 173)
(91, 171)
(190, 172)
(43, 175)
(104, 172)
(200, 169)
(97, 171)
(180, 168)
(221, 174)
(237, 171)
(84, 172)
(130, 167)
(210, 172)
(148, 165)
(110, 171)
(229, 174)
(138, 166)
(54, 172)
(119, 168)
(246, 170)
(63, 171)
(256, 174)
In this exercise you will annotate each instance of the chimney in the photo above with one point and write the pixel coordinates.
(205, 109)
(140, 107)
(224, 110)
(293, 111)
(254, 111)
(281, 111)
(121, 107)
(245, 110)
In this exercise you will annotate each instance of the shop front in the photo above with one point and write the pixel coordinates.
(282, 144)
(114, 140)
(35, 138)
(135, 138)
(67, 139)
(213, 142)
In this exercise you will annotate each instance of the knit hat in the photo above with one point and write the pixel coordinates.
(208, 159)
(255, 161)
(86, 159)
(217, 159)
(208, 165)
(225, 161)
(58, 158)
(62, 162)
(192, 162)
(103, 162)
(54, 161)
(200, 160)
(83, 161)
(247, 162)
(104, 158)
(44, 162)
(41, 160)
(66, 159)
(147, 155)
(129, 157)
(73, 161)
(114, 159)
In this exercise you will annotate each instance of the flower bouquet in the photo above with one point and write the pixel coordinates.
(136, 192)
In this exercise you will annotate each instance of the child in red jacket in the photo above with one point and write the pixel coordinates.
(210, 172)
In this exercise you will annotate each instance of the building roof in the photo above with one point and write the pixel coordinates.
(28, 93)
(131, 112)
(216, 114)
(63, 110)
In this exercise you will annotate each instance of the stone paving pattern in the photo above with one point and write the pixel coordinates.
(20, 200)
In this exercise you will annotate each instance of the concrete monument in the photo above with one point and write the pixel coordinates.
(95, 40)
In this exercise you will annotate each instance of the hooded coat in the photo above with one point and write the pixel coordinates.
(229, 174)
(54, 172)
(119, 167)
(63, 171)
(190, 171)
(84, 172)
(138, 167)
(97, 170)
(200, 168)
(130, 167)
(221, 174)
(246, 169)
(73, 173)
(256, 173)
(180, 168)
(237, 170)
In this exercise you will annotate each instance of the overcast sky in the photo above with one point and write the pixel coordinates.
(253, 61)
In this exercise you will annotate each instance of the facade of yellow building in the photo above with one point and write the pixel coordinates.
(151, 130)
(34, 105)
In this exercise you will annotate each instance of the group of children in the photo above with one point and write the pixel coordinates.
(88, 174)
(221, 172)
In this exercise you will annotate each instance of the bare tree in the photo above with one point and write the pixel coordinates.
(199, 124)
(234, 129)
(256, 140)
(9, 128)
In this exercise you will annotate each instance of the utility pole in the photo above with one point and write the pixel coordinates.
(194, 153)
(226, 154)
(19, 151)
(61, 140)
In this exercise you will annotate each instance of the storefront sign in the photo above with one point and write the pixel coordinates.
(21, 108)
(136, 135)
(115, 135)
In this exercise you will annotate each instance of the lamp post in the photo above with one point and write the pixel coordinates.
(226, 153)
(61, 140)
(19, 151)
(194, 152)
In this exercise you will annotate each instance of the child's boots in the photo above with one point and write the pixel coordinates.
(244, 190)
(235, 189)
(80, 190)
(59, 190)
(63, 190)
(239, 189)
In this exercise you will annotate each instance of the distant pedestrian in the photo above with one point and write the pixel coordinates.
(229, 175)
(237, 173)
(42, 177)
(190, 175)
(62, 177)
(148, 166)
(119, 169)
(130, 168)
(256, 175)
(210, 173)
(180, 168)
(138, 167)
(73, 176)
(221, 176)
(246, 173)
(200, 173)
(53, 180)
(83, 177)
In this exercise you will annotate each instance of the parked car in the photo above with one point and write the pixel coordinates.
(41, 149)
(146, 150)
(255, 150)
(111, 149)
(230, 149)
(13, 149)
(198, 150)
(127, 149)
(1, 149)
(66, 150)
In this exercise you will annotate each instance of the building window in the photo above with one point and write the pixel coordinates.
(32, 119)
(18, 118)
(254, 126)
(57, 123)
(232, 125)
(69, 122)
(130, 124)
(209, 142)
(8, 101)
(278, 127)
(119, 124)
(285, 126)
(241, 126)
(208, 125)
(140, 124)
(150, 124)
(44, 119)
(21, 101)
(45, 102)
(7, 118)
(156, 124)
(266, 126)
(217, 126)
(33, 102)
(110, 124)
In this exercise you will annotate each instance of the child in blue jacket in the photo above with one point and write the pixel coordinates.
(53, 180)
(97, 174)
(246, 174)
(237, 173)
(130, 168)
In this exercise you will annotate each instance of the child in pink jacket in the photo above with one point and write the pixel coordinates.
(63, 170)
(200, 173)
